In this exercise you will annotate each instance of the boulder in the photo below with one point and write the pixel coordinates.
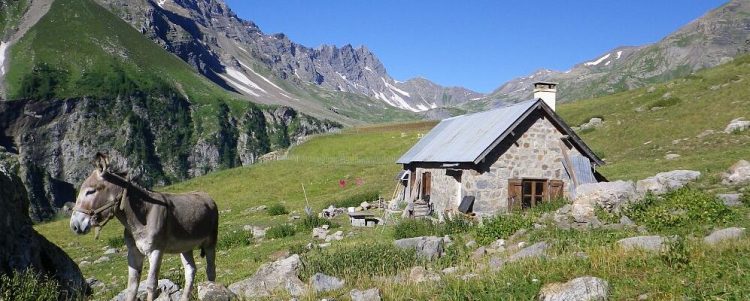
(167, 291)
(730, 199)
(737, 125)
(609, 196)
(430, 247)
(533, 251)
(665, 181)
(449, 270)
(319, 233)
(259, 232)
(479, 253)
(718, 236)
(739, 173)
(323, 283)
(212, 291)
(372, 294)
(646, 243)
(582, 288)
(21, 247)
(593, 123)
(280, 274)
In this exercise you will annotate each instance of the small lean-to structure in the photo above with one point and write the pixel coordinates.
(511, 158)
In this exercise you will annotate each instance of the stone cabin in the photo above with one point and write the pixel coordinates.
(511, 158)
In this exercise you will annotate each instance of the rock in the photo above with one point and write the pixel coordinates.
(646, 243)
(167, 291)
(705, 133)
(365, 205)
(101, 260)
(739, 173)
(339, 235)
(496, 263)
(212, 291)
(626, 221)
(593, 123)
(319, 233)
(449, 270)
(21, 247)
(468, 276)
(718, 236)
(671, 156)
(84, 263)
(324, 245)
(430, 247)
(372, 294)
(259, 232)
(498, 245)
(610, 196)
(281, 274)
(94, 283)
(583, 212)
(479, 253)
(665, 181)
(419, 274)
(730, 199)
(582, 288)
(323, 283)
(470, 244)
(533, 251)
(737, 125)
(110, 251)
(581, 255)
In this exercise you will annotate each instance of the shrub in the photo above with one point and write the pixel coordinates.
(684, 207)
(27, 285)
(368, 259)
(606, 217)
(745, 198)
(455, 225)
(280, 231)
(312, 221)
(298, 248)
(116, 242)
(677, 254)
(231, 239)
(355, 200)
(277, 209)
(501, 226)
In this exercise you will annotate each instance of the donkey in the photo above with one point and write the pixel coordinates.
(155, 223)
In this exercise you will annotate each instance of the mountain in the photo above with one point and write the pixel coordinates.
(715, 38)
(272, 69)
(108, 88)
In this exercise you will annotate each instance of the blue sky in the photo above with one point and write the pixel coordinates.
(475, 44)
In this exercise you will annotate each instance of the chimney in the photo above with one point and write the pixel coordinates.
(546, 91)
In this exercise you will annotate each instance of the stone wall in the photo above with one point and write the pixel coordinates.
(534, 154)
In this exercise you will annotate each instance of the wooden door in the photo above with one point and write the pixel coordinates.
(556, 189)
(426, 185)
(515, 193)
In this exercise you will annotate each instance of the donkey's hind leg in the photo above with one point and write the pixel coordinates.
(210, 253)
(188, 264)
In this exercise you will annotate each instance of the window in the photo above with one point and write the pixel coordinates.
(527, 193)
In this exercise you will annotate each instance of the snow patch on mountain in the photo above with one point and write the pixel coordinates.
(263, 78)
(597, 62)
(395, 89)
(619, 54)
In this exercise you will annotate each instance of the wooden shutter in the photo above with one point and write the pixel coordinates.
(515, 193)
(556, 189)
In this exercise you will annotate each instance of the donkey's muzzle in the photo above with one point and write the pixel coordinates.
(80, 223)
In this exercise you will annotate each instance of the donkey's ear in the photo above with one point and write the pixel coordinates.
(101, 161)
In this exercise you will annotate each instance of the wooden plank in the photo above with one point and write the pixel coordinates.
(566, 157)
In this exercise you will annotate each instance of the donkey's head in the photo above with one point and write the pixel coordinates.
(97, 198)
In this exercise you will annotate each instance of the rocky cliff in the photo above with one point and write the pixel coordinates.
(21, 247)
(237, 55)
(169, 138)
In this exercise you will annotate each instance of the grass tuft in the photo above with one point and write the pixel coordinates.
(277, 209)
(27, 285)
(280, 231)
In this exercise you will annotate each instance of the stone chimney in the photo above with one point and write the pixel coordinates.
(546, 91)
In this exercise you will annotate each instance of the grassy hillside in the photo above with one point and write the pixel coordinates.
(642, 126)
(364, 157)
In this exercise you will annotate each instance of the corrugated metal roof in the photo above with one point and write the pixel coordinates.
(464, 138)
(582, 167)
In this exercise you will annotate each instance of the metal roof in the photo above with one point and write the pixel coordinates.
(469, 138)
(465, 138)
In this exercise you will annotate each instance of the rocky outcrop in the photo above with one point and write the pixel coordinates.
(429, 247)
(722, 235)
(666, 181)
(167, 137)
(582, 288)
(278, 275)
(739, 173)
(22, 248)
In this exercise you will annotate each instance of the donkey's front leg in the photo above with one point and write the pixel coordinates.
(154, 263)
(135, 265)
